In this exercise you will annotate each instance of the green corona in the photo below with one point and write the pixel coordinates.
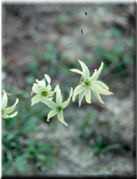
(44, 93)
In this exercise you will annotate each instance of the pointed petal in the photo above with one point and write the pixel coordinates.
(100, 90)
(77, 71)
(50, 99)
(4, 115)
(51, 114)
(85, 69)
(35, 99)
(88, 95)
(49, 103)
(65, 104)
(35, 88)
(58, 95)
(49, 87)
(48, 78)
(97, 95)
(101, 84)
(78, 90)
(50, 93)
(14, 114)
(10, 109)
(9, 116)
(81, 95)
(42, 84)
(61, 117)
(45, 100)
(56, 88)
(4, 100)
(97, 73)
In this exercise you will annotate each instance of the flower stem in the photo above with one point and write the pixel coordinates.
(80, 79)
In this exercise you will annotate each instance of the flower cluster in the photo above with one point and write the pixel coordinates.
(44, 93)
(90, 83)
(6, 112)
(87, 84)
(58, 106)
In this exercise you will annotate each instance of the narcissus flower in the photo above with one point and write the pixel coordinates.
(6, 112)
(57, 108)
(90, 83)
(42, 91)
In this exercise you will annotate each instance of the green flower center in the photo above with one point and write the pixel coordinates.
(59, 108)
(44, 93)
(87, 83)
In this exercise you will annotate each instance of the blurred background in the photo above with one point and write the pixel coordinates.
(49, 38)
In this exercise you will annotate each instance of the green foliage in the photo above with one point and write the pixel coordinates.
(84, 126)
(119, 61)
(65, 70)
(34, 68)
(20, 152)
(16, 143)
(33, 72)
(20, 163)
(98, 50)
(116, 32)
(99, 147)
(50, 54)
(30, 125)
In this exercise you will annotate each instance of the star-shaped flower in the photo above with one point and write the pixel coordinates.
(6, 112)
(42, 91)
(57, 108)
(89, 83)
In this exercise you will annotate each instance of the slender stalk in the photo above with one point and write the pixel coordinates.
(80, 80)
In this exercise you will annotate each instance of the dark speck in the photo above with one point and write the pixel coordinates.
(81, 31)
(86, 13)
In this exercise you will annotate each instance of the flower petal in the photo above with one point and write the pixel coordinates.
(85, 69)
(9, 116)
(4, 100)
(97, 73)
(97, 95)
(10, 109)
(100, 90)
(4, 115)
(61, 118)
(48, 87)
(51, 114)
(49, 103)
(77, 71)
(50, 93)
(88, 95)
(56, 88)
(36, 88)
(47, 78)
(101, 84)
(81, 95)
(42, 84)
(35, 99)
(65, 104)
(78, 90)
(58, 95)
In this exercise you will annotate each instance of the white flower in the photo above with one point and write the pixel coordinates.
(90, 83)
(57, 108)
(6, 111)
(42, 91)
